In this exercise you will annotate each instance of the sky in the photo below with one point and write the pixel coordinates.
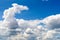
(30, 20)
(38, 9)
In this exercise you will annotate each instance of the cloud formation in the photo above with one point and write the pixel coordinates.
(20, 29)
(52, 21)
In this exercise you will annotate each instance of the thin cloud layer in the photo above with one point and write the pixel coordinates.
(20, 29)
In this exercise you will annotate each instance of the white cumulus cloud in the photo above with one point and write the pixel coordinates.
(12, 28)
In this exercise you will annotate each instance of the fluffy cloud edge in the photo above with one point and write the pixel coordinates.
(21, 29)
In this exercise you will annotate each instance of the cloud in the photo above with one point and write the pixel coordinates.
(52, 22)
(9, 13)
(28, 23)
(12, 28)
(9, 23)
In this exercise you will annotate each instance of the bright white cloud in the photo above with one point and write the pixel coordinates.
(20, 29)
(9, 21)
(52, 22)
(10, 13)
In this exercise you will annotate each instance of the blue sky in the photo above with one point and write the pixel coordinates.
(38, 9)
